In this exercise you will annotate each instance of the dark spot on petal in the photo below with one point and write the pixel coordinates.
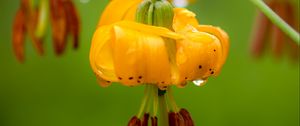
(210, 69)
(108, 81)
(130, 78)
(215, 50)
(120, 78)
(186, 78)
(140, 77)
(163, 82)
(212, 72)
(138, 81)
(200, 66)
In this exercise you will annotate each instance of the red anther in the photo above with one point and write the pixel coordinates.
(188, 121)
(153, 121)
(145, 119)
(134, 121)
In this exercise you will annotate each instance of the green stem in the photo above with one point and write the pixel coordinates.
(287, 29)
(155, 100)
(150, 97)
(144, 102)
(172, 100)
(163, 114)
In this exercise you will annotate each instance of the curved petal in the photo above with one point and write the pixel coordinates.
(118, 10)
(102, 82)
(18, 35)
(222, 36)
(101, 54)
(183, 18)
(197, 56)
(159, 31)
(140, 58)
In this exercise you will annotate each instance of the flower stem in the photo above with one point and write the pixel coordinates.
(155, 100)
(172, 100)
(163, 114)
(287, 29)
(145, 101)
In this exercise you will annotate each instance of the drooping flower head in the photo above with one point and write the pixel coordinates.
(159, 47)
(267, 36)
(32, 18)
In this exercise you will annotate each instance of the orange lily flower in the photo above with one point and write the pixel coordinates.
(176, 50)
(201, 51)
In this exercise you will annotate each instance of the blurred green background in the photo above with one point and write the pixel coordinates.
(62, 91)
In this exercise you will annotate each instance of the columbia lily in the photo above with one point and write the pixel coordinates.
(159, 47)
(32, 18)
(267, 35)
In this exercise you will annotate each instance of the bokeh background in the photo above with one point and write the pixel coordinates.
(62, 91)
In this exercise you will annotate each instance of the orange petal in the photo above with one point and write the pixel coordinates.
(183, 18)
(118, 10)
(18, 35)
(198, 56)
(72, 21)
(101, 58)
(159, 31)
(31, 17)
(59, 25)
(140, 58)
(224, 40)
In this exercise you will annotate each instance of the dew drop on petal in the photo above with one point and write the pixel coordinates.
(200, 82)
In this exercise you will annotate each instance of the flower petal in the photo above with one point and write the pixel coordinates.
(18, 35)
(118, 10)
(197, 56)
(140, 58)
(101, 54)
(159, 31)
(224, 39)
(183, 18)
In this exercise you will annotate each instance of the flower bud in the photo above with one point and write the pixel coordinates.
(158, 13)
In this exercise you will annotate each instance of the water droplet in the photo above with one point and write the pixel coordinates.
(180, 3)
(200, 82)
